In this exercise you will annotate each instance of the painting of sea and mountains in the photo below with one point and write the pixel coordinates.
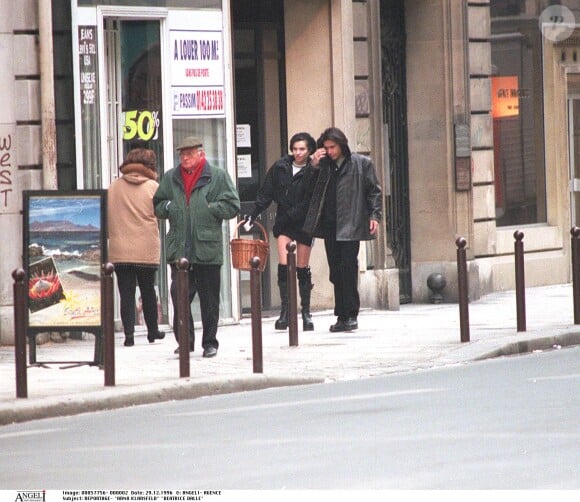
(65, 243)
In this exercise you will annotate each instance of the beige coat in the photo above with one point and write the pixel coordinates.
(132, 225)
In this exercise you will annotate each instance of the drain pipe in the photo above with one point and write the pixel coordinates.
(47, 106)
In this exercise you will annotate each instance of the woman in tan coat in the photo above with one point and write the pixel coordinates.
(134, 244)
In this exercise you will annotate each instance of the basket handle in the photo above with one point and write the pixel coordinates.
(260, 226)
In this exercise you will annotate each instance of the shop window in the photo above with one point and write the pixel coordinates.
(141, 87)
(517, 111)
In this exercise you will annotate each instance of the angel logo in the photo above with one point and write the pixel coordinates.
(31, 496)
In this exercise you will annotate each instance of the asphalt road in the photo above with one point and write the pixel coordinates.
(506, 423)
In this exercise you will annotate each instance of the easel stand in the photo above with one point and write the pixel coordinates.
(97, 357)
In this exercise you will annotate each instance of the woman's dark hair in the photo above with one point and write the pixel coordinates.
(142, 156)
(303, 136)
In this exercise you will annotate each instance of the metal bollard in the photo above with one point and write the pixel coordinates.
(20, 292)
(183, 307)
(463, 289)
(575, 231)
(520, 280)
(256, 299)
(292, 296)
(108, 324)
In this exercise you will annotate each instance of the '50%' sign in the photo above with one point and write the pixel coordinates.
(141, 124)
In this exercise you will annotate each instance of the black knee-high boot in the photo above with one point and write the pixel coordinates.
(305, 286)
(282, 322)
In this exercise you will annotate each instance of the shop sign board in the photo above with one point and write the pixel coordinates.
(197, 64)
(88, 66)
(506, 96)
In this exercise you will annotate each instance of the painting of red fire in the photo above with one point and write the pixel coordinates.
(44, 286)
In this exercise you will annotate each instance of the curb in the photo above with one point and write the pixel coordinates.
(113, 398)
(532, 345)
(480, 350)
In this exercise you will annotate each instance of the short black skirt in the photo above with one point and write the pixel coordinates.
(295, 233)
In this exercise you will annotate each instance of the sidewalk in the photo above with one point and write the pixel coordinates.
(418, 336)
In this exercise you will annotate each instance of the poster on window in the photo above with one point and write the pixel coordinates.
(197, 64)
(64, 249)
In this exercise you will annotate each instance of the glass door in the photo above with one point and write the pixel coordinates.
(134, 89)
(134, 104)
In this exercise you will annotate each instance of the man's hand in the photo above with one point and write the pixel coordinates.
(317, 156)
(374, 226)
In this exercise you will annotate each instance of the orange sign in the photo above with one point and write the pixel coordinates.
(505, 100)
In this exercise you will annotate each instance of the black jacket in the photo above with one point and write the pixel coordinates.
(358, 199)
(291, 194)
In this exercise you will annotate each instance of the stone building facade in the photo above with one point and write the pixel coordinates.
(467, 108)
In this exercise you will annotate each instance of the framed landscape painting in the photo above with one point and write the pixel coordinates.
(64, 250)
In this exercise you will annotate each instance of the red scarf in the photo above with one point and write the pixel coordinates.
(190, 178)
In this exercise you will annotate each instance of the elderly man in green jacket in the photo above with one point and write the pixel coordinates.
(196, 198)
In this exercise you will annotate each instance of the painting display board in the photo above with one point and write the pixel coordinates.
(65, 245)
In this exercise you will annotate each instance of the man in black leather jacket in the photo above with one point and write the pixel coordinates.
(345, 208)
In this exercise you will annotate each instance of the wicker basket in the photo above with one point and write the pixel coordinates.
(243, 250)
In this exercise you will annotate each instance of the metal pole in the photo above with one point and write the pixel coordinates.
(109, 324)
(20, 292)
(292, 296)
(183, 307)
(575, 231)
(520, 280)
(256, 299)
(463, 289)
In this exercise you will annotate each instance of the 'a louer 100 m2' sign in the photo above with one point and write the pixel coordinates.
(141, 124)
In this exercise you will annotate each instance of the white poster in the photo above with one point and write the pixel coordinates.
(197, 64)
(196, 101)
(243, 136)
(244, 163)
(197, 58)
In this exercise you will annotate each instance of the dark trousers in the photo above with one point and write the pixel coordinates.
(128, 276)
(342, 257)
(205, 280)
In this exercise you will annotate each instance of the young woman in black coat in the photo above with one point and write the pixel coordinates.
(289, 184)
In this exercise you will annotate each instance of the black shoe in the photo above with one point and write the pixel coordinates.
(281, 324)
(307, 324)
(350, 324)
(160, 335)
(282, 321)
(210, 352)
(129, 341)
(176, 351)
(338, 326)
